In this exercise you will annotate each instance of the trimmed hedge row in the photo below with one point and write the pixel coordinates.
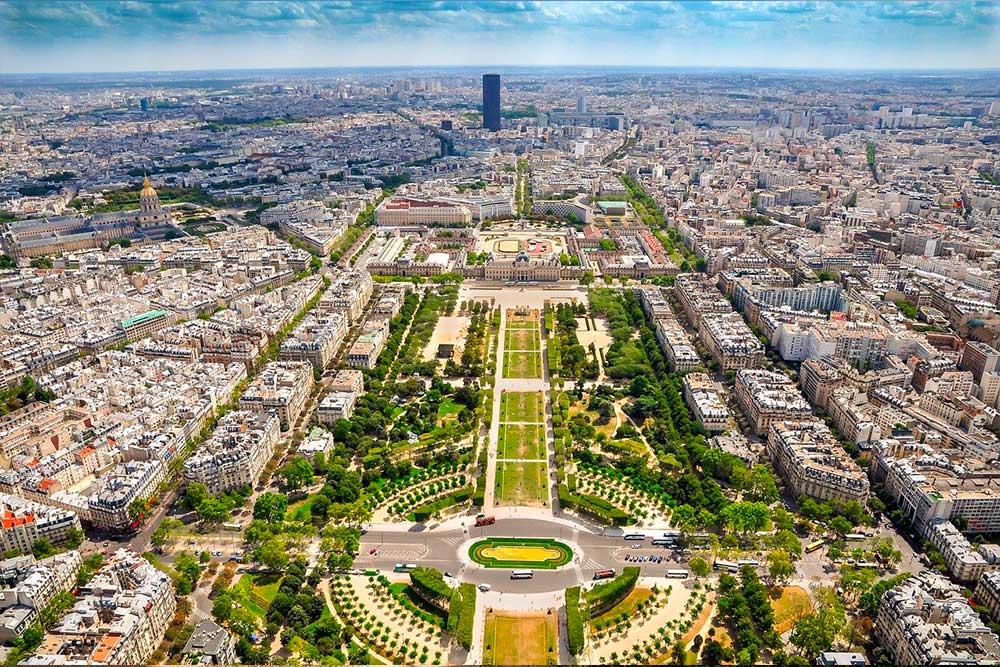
(597, 507)
(462, 614)
(424, 512)
(574, 620)
(429, 584)
(605, 596)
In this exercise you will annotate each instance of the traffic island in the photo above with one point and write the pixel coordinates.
(517, 553)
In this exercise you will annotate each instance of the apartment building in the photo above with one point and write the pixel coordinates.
(676, 346)
(767, 397)
(813, 463)
(348, 380)
(818, 379)
(979, 358)
(281, 387)
(927, 621)
(730, 341)
(348, 293)
(368, 346)
(853, 416)
(29, 586)
(987, 592)
(236, 454)
(928, 484)
(335, 406)
(412, 212)
(119, 617)
(698, 296)
(24, 522)
(210, 644)
(965, 562)
(38, 429)
(703, 397)
(316, 339)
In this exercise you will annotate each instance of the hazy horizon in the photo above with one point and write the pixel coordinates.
(105, 37)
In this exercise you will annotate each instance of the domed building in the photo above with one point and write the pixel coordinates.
(151, 212)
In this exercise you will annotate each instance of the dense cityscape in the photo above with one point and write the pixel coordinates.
(500, 365)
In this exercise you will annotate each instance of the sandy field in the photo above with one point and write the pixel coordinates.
(451, 330)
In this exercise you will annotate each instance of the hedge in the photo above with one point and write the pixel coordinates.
(479, 496)
(597, 507)
(574, 620)
(466, 615)
(426, 511)
(429, 584)
(605, 596)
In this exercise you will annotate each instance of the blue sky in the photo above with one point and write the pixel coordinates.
(70, 36)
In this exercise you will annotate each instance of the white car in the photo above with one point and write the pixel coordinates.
(484, 587)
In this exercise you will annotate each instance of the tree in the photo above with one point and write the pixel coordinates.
(699, 566)
(713, 653)
(296, 473)
(779, 565)
(270, 507)
(195, 493)
(759, 485)
(74, 538)
(840, 526)
(42, 548)
(214, 510)
(272, 554)
(812, 635)
(746, 517)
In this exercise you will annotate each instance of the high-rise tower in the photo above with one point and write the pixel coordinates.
(491, 102)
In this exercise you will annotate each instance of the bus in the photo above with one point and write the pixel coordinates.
(604, 574)
(677, 574)
(751, 563)
(635, 536)
(522, 574)
(726, 566)
(404, 567)
(662, 542)
(855, 537)
(815, 546)
(485, 521)
(866, 565)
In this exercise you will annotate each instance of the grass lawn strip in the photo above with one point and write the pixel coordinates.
(514, 553)
(521, 483)
(521, 406)
(524, 441)
(626, 606)
(521, 640)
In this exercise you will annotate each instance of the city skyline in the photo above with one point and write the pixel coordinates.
(70, 37)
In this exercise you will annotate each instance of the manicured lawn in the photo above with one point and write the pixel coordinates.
(521, 640)
(301, 510)
(516, 322)
(522, 339)
(524, 441)
(416, 604)
(256, 592)
(522, 483)
(626, 606)
(522, 364)
(513, 553)
(447, 408)
(521, 406)
(793, 604)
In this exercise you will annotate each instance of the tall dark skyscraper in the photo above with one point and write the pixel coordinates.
(491, 102)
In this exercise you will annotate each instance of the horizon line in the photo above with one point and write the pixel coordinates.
(776, 68)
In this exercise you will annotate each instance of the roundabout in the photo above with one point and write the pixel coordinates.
(512, 553)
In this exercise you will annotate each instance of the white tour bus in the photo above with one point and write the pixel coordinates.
(521, 574)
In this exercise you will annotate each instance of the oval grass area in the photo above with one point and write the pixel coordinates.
(512, 552)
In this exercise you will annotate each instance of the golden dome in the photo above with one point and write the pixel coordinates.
(147, 189)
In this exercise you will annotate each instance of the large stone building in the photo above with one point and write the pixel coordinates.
(813, 463)
(281, 387)
(768, 397)
(927, 621)
(50, 236)
(24, 522)
(235, 455)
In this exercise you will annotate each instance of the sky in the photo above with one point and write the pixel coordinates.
(163, 35)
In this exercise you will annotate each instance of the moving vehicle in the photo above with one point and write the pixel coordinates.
(522, 574)
(635, 536)
(662, 542)
(404, 567)
(485, 521)
(726, 566)
(484, 587)
(604, 574)
(677, 574)
(814, 546)
(855, 537)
